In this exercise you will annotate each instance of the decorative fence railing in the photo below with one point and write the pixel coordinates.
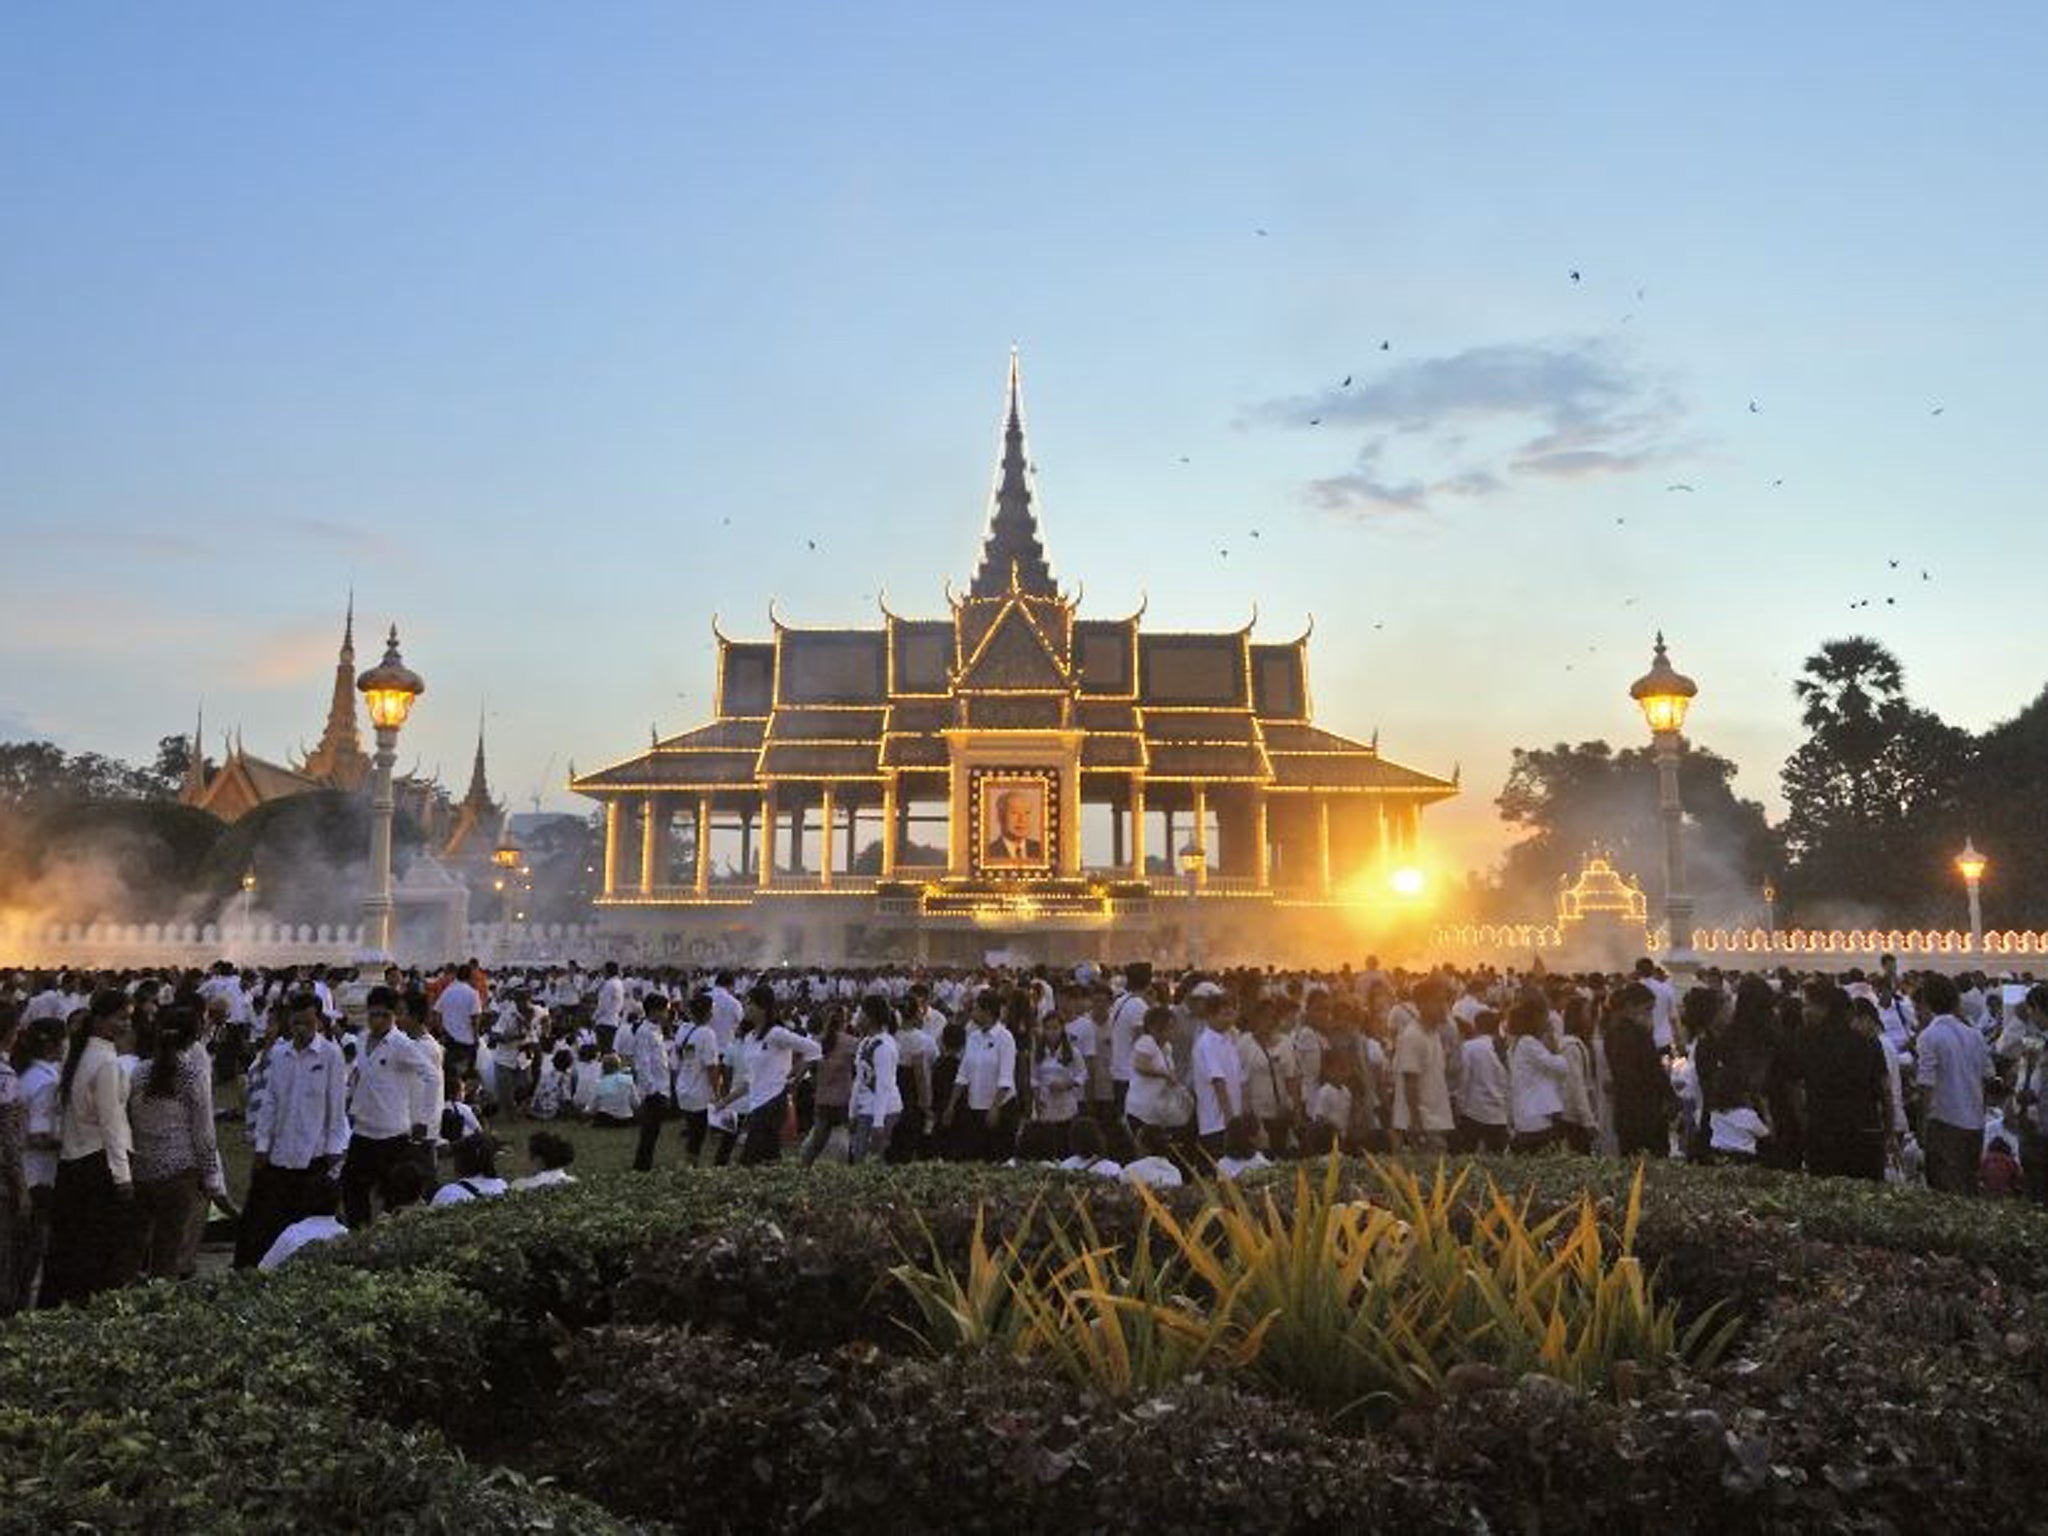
(183, 945)
(1762, 944)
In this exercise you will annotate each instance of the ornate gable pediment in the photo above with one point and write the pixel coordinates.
(1013, 657)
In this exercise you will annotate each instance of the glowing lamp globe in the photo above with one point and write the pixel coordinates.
(1191, 860)
(1664, 692)
(1971, 862)
(390, 687)
(505, 856)
(1407, 881)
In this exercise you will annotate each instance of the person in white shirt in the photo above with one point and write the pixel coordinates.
(1156, 1100)
(1218, 1072)
(300, 1133)
(877, 1099)
(44, 1047)
(1088, 1153)
(654, 1073)
(986, 1085)
(769, 1052)
(1126, 1023)
(1268, 1067)
(1664, 1003)
(609, 1009)
(551, 1156)
(414, 1018)
(457, 1007)
(1535, 1078)
(1482, 1097)
(321, 1227)
(1241, 1154)
(1952, 1063)
(700, 1075)
(727, 1012)
(1422, 1096)
(1059, 1073)
(89, 1207)
(476, 1173)
(393, 1085)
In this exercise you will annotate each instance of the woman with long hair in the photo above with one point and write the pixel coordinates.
(769, 1053)
(832, 1083)
(1058, 1074)
(91, 1209)
(175, 1161)
(1536, 1077)
(877, 1101)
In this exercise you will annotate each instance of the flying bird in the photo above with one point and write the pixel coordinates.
(1575, 274)
(1681, 486)
(1890, 601)
(1183, 458)
(1755, 409)
(1893, 564)
(1347, 382)
(1937, 410)
(1779, 481)
(1315, 421)
(1260, 233)
(1925, 577)
(811, 543)
(1255, 533)
(1386, 346)
(1640, 292)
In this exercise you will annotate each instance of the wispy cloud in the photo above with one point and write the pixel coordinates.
(1568, 409)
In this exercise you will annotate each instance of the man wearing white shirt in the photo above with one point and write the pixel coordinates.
(300, 1132)
(726, 1009)
(699, 1076)
(1481, 1103)
(654, 1076)
(1126, 1023)
(458, 1005)
(432, 1090)
(1422, 1098)
(1218, 1072)
(986, 1084)
(392, 1081)
(609, 1010)
(1953, 1064)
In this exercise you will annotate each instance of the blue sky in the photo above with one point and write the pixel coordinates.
(555, 329)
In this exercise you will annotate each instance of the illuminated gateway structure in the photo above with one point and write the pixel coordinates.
(1011, 778)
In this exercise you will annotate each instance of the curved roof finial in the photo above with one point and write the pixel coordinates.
(1253, 622)
(1302, 638)
(775, 614)
(882, 602)
(717, 634)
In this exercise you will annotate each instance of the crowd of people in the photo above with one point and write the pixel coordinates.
(362, 1093)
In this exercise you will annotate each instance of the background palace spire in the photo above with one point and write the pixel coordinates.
(1013, 543)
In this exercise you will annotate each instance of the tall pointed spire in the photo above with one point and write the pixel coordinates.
(479, 785)
(193, 790)
(339, 759)
(1012, 555)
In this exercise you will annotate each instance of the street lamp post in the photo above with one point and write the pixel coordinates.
(1771, 909)
(1192, 860)
(1972, 864)
(389, 689)
(1665, 694)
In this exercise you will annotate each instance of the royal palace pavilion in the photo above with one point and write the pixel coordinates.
(1010, 779)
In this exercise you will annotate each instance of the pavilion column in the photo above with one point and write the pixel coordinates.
(1137, 828)
(612, 818)
(703, 871)
(1116, 836)
(825, 811)
(650, 844)
(852, 836)
(889, 827)
(746, 838)
(1202, 834)
(796, 833)
(1408, 822)
(767, 836)
(1172, 850)
(1262, 859)
(1323, 843)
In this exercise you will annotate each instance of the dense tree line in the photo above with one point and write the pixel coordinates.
(1880, 793)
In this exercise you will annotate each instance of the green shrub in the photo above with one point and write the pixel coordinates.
(731, 1435)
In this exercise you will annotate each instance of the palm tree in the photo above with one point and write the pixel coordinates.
(1850, 686)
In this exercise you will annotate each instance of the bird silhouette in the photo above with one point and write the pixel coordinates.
(1575, 274)
(1260, 233)
(1620, 522)
(1681, 486)
(1640, 292)
(1925, 577)
(1255, 533)
(1779, 481)
(1381, 625)
(1755, 409)
(811, 543)
(1893, 564)
(1315, 421)
(1225, 553)
(1347, 382)
(1890, 602)
(1386, 346)
(1183, 458)
(1937, 410)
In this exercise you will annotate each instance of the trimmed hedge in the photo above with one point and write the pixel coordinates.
(733, 1436)
(246, 1405)
(1894, 1363)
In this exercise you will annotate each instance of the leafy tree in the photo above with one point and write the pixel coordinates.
(2004, 806)
(1873, 794)
(1571, 799)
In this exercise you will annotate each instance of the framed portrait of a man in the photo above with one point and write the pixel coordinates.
(1013, 829)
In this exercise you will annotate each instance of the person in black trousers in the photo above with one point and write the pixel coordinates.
(1643, 1096)
(654, 1075)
